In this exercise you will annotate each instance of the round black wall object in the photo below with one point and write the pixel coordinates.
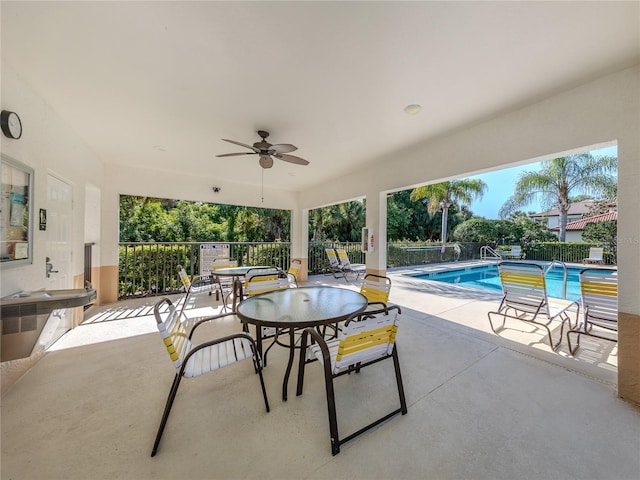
(10, 124)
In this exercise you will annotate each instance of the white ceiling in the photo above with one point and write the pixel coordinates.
(332, 78)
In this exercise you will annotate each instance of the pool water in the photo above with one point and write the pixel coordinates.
(487, 278)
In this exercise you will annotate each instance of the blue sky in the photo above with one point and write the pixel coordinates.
(500, 187)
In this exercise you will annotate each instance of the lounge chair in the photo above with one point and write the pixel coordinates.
(334, 264)
(515, 253)
(596, 255)
(525, 293)
(599, 289)
(347, 266)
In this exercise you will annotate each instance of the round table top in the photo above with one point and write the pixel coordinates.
(301, 307)
(234, 271)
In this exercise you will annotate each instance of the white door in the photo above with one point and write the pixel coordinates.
(58, 251)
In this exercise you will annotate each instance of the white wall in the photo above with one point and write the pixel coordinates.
(47, 145)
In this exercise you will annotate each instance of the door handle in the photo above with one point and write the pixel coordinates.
(49, 268)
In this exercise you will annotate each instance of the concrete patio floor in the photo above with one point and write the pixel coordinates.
(481, 405)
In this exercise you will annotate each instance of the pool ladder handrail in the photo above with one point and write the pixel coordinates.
(486, 250)
(564, 282)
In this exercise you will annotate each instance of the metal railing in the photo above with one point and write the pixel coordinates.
(147, 269)
(487, 252)
(564, 267)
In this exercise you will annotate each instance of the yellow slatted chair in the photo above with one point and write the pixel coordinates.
(192, 360)
(525, 293)
(294, 272)
(599, 290)
(367, 338)
(347, 266)
(263, 281)
(194, 286)
(334, 264)
(377, 289)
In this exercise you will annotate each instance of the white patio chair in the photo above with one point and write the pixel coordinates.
(192, 360)
(367, 338)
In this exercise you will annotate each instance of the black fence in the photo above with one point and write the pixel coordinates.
(148, 269)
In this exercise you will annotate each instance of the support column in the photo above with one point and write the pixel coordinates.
(376, 218)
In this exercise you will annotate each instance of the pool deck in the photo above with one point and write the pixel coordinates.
(481, 406)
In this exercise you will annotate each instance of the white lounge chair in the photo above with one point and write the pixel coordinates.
(515, 253)
(596, 255)
(347, 266)
(525, 293)
(599, 289)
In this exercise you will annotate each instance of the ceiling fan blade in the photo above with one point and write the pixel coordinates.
(250, 147)
(234, 154)
(292, 159)
(266, 161)
(283, 148)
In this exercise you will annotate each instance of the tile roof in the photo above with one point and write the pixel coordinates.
(580, 224)
(579, 208)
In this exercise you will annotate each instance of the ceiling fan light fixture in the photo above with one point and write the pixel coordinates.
(412, 109)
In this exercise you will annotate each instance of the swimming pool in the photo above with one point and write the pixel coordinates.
(487, 278)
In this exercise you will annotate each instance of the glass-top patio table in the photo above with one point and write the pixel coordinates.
(295, 308)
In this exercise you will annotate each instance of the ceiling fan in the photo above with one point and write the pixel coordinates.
(267, 151)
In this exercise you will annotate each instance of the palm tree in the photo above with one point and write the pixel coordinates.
(443, 195)
(559, 178)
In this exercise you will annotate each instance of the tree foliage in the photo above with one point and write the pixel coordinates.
(146, 219)
(562, 177)
(445, 195)
(519, 229)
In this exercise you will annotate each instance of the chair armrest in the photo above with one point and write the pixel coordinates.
(210, 343)
(208, 319)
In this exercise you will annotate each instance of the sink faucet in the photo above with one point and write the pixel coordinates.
(49, 266)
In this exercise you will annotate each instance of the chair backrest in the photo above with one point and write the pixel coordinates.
(224, 263)
(516, 250)
(524, 286)
(376, 288)
(261, 271)
(266, 282)
(599, 289)
(367, 337)
(173, 332)
(184, 278)
(596, 253)
(344, 258)
(331, 255)
(294, 270)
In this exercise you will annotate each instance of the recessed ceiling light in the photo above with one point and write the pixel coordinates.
(412, 109)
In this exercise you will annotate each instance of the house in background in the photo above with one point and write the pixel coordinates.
(574, 230)
(577, 218)
(551, 218)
